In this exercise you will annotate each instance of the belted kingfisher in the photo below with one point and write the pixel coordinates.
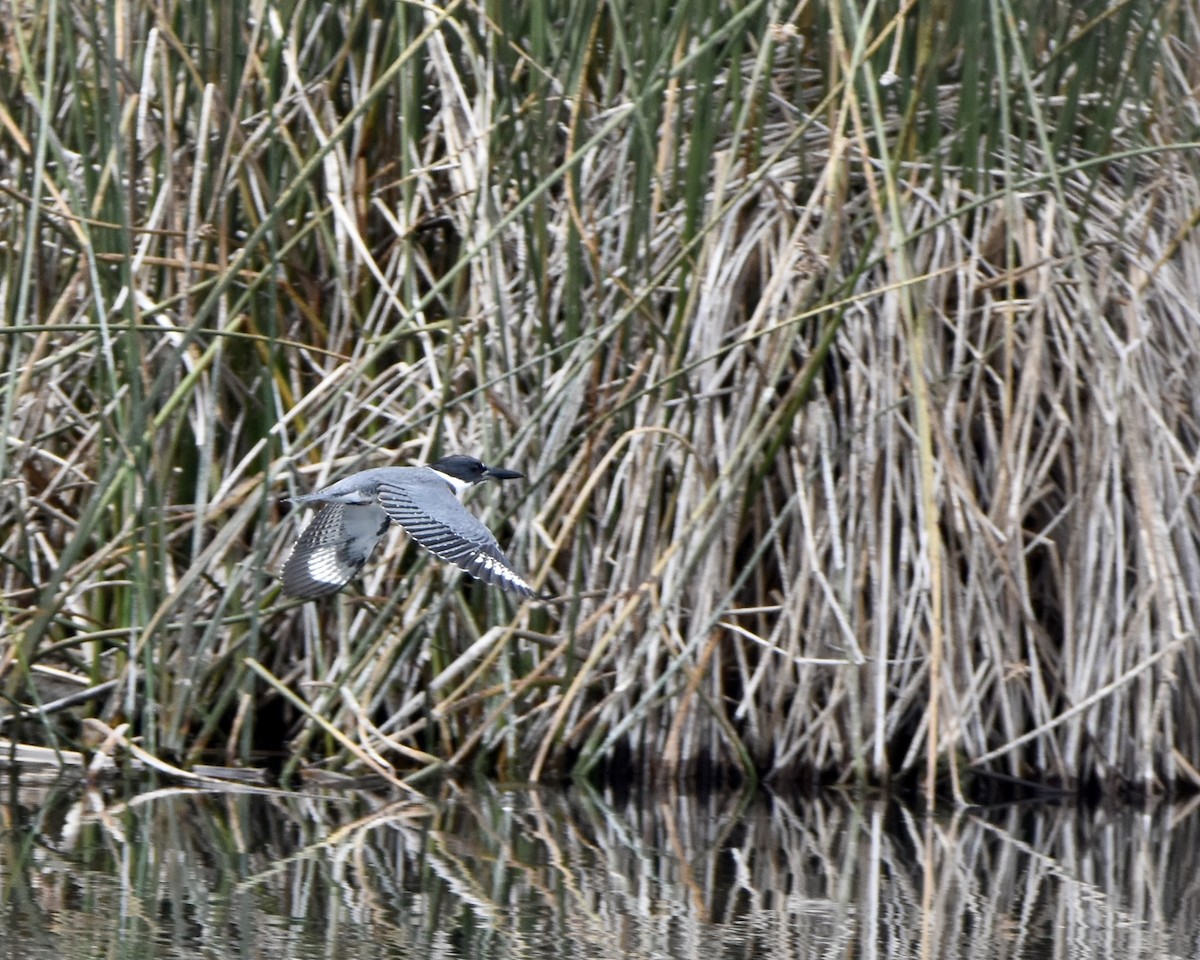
(423, 500)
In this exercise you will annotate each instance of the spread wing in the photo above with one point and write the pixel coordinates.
(333, 548)
(443, 526)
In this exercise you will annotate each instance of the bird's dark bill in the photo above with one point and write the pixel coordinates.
(499, 473)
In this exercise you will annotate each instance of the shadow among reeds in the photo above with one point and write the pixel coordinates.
(850, 362)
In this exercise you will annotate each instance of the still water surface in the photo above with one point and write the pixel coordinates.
(490, 872)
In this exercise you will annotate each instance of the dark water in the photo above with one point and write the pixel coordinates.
(487, 872)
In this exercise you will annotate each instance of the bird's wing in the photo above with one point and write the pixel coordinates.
(333, 548)
(445, 528)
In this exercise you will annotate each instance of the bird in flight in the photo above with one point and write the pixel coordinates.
(424, 501)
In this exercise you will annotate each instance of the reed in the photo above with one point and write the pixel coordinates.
(850, 357)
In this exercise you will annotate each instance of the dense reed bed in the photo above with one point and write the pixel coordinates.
(851, 359)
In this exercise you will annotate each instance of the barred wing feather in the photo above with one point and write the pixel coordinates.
(333, 548)
(445, 528)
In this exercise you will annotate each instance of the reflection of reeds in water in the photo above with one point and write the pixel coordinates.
(570, 874)
(824, 390)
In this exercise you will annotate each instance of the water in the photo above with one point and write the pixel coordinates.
(488, 872)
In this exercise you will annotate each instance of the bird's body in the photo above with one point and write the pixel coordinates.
(423, 500)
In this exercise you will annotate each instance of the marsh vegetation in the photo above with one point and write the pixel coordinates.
(851, 362)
